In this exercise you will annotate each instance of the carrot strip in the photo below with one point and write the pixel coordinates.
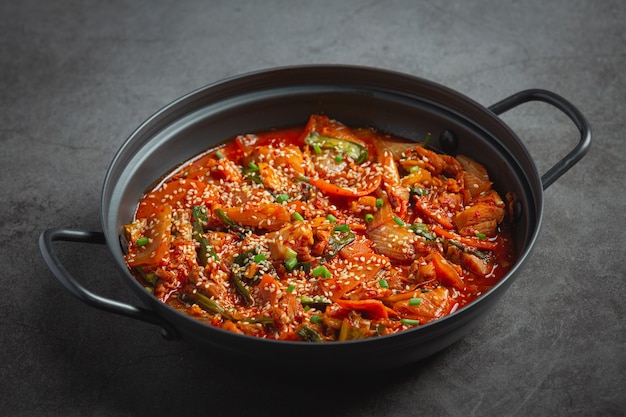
(446, 274)
(469, 241)
(374, 309)
(332, 189)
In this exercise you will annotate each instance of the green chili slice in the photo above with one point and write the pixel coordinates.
(354, 150)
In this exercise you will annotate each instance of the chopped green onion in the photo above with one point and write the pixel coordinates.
(415, 301)
(369, 217)
(290, 253)
(143, 241)
(427, 140)
(379, 202)
(383, 283)
(317, 149)
(481, 236)
(338, 159)
(253, 166)
(341, 228)
(259, 258)
(331, 218)
(303, 178)
(410, 322)
(219, 155)
(316, 319)
(414, 168)
(290, 288)
(290, 264)
(282, 198)
(297, 216)
(323, 271)
(398, 220)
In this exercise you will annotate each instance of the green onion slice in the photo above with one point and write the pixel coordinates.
(415, 301)
(410, 322)
(316, 319)
(290, 264)
(321, 271)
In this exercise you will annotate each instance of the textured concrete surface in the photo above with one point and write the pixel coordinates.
(77, 77)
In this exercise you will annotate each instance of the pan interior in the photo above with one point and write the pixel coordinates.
(401, 105)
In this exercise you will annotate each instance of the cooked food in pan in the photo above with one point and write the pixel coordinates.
(321, 233)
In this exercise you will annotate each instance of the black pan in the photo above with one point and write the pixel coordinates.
(396, 103)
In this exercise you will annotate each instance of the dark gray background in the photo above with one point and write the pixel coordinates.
(77, 77)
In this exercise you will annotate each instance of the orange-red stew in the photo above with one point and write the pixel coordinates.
(321, 233)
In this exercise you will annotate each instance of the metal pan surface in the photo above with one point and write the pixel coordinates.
(392, 102)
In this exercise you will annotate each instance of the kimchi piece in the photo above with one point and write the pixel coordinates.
(321, 233)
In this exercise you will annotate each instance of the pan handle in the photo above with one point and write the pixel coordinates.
(570, 111)
(72, 285)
